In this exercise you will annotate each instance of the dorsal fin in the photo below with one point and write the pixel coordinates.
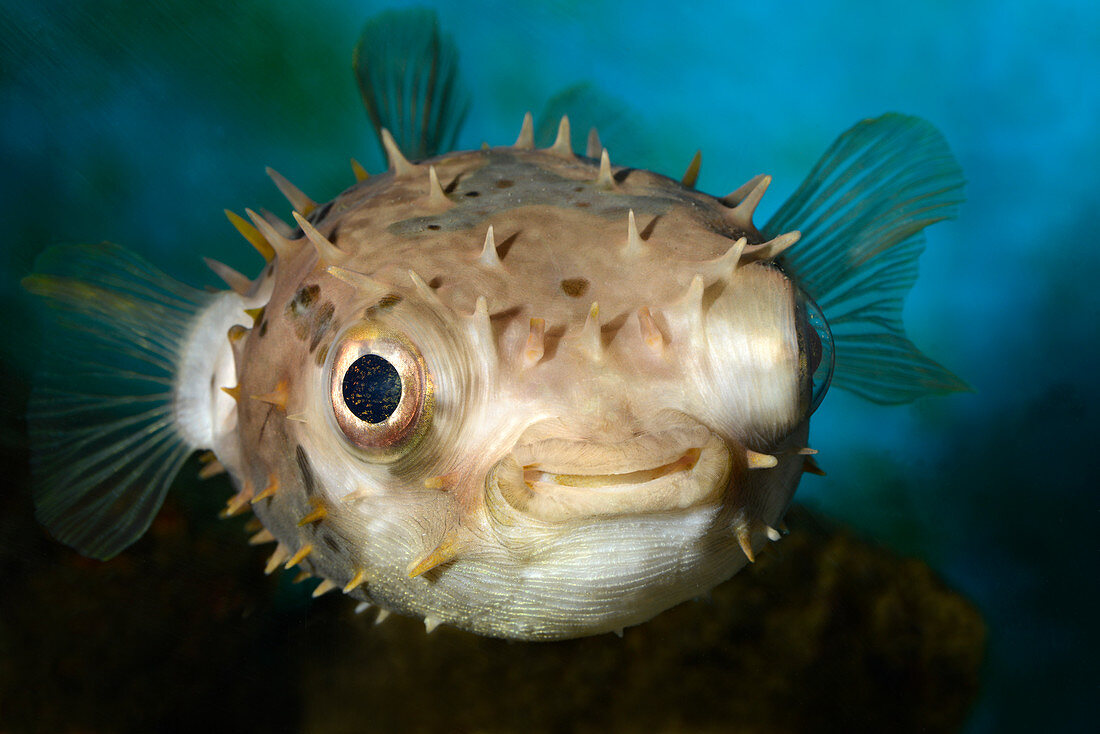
(861, 211)
(407, 71)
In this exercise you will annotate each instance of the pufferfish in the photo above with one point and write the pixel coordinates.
(523, 392)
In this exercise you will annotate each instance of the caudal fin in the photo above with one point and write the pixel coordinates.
(104, 434)
(861, 211)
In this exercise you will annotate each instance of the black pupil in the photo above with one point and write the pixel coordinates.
(372, 388)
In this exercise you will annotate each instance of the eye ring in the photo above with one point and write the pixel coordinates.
(381, 416)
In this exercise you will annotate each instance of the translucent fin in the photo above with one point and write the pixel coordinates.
(861, 211)
(104, 440)
(587, 107)
(407, 71)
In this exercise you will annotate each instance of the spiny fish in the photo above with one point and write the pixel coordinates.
(523, 392)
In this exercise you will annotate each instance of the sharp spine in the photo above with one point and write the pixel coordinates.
(691, 175)
(744, 539)
(399, 164)
(590, 337)
(238, 502)
(327, 252)
(383, 615)
(362, 607)
(634, 246)
(359, 577)
(809, 466)
(526, 139)
(594, 147)
(534, 348)
(603, 178)
(211, 469)
(651, 335)
(741, 214)
(759, 461)
(320, 512)
(276, 559)
(264, 536)
(489, 256)
(301, 203)
(437, 197)
(563, 145)
(360, 172)
(240, 284)
(284, 248)
(430, 623)
(447, 550)
(324, 587)
(277, 397)
(251, 234)
(426, 291)
(233, 392)
(268, 491)
(299, 556)
(369, 287)
(773, 247)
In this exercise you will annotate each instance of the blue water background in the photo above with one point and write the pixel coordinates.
(139, 122)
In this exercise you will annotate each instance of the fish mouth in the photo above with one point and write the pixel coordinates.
(556, 480)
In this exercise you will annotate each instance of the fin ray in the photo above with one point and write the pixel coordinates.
(407, 70)
(104, 436)
(862, 211)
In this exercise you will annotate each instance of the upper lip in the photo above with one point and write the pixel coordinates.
(559, 479)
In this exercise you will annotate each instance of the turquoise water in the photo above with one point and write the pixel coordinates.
(139, 123)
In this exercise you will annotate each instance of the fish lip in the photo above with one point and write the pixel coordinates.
(560, 480)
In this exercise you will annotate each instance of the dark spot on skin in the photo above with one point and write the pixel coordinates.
(435, 282)
(574, 287)
(582, 204)
(263, 328)
(472, 194)
(434, 227)
(309, 481)
(386, 303)
(322, 323)
(578, 189)
(331, 542)
(505, 183)
(303, 300)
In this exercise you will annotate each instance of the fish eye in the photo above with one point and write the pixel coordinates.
(815, 348)
(380, 392)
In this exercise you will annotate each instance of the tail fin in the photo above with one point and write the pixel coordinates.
(407, 71)
(861, 211)
(105, 438)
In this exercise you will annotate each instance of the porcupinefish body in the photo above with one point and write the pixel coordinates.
(523, 392)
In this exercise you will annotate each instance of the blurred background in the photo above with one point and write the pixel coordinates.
(139, 122)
